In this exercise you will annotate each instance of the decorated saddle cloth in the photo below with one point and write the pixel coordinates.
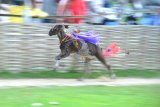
(89, 36)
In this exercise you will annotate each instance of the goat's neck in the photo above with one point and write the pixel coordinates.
(61, 35)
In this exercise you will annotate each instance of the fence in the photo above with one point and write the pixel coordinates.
(25, 47)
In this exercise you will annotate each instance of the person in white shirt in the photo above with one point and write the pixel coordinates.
(102, 13)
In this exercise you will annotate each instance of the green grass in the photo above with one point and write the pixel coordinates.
(139, 73)
(52, 74)
(87, 96)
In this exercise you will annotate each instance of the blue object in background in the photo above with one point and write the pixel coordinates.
(150, 19)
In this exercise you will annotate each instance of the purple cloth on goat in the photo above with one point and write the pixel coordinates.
(88, 37)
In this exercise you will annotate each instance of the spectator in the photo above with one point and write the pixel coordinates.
(50, 7)
(133, 18)
(151, 18)
(72, 7)
(28, 9)
(110, 19)
(21, 7)
(24, 2)
(102, 7)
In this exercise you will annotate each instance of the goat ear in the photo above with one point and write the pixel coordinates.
(66, 26)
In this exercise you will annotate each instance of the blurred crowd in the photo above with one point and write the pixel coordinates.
(97, 12)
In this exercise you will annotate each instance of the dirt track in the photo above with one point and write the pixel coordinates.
(74, 82)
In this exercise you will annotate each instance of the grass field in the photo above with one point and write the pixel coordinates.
(52, 74)
(87, 96)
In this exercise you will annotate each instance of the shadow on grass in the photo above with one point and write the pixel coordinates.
(95, 74)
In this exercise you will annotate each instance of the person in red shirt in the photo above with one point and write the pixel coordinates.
(72, 8)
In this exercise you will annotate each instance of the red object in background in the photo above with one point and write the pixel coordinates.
(112, 49)
(77, 8)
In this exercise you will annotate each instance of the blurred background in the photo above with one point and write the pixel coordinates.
(97, 12)
(27, 53)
